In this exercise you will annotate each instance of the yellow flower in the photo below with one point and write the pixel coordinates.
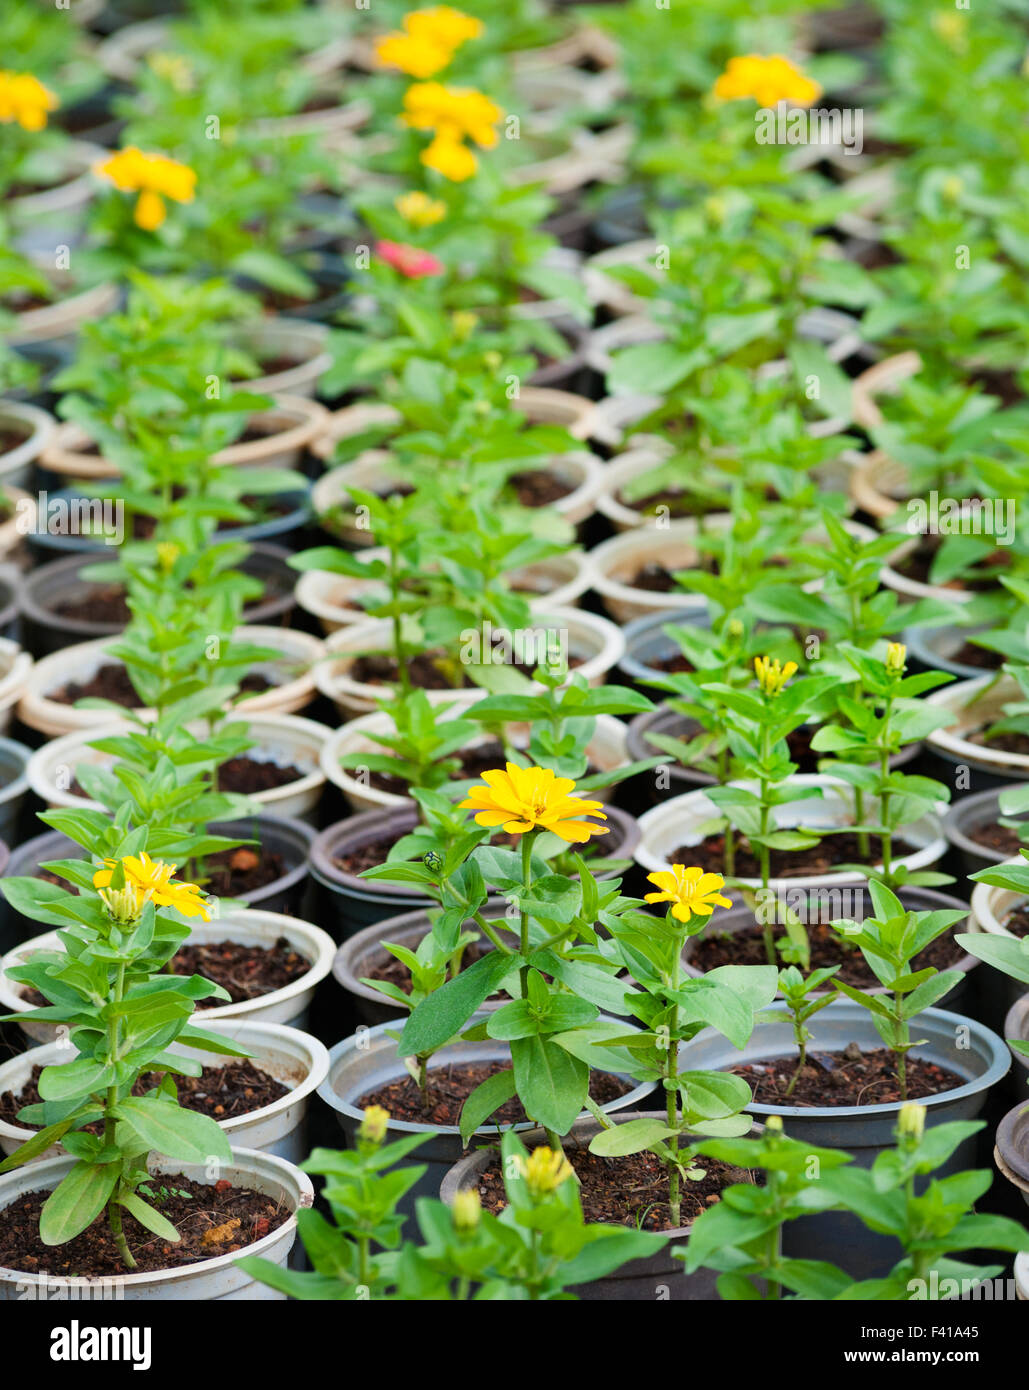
(429, 40)
(374, 1125)
(24, 99)
(768, 80)
(419, 209)
(152, 880)
(154, 177)
(174, 69)
(467, 1210)
(167, 553)
(533, 798)
(896, 655)
(911, 1120)
(692, 892)
(544, 1170)
(771, 677)
(450, 158)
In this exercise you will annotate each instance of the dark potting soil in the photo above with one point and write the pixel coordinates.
(847, 1077)
(394, 972)
(1017, 922)
(474, 762)
(233, 873)
(110, 682)
(451, 1085)
(783, 863)
(655, 578)
(245, 972)
(211, 1220)
(223, 1092)
(997, 837)
(747, 947)
(538, 488)
(103, 604)
(630, 1191)
(968, 654)
(11, 439)
(918, 564)
(798, 742)
(250, 775)
(678, 501)
(1005, 743)
(425, 671)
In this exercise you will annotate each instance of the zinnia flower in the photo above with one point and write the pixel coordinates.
(154, 177)
(375, 1124)
(419, 209)
(24, 99)
(453, 114)
(544, 1170)
(692, 892)
(429, 40)
(152, 880)
(768, 80)
(896, 655)
(409, 260)
(771, 677)
(445, 25)
(533, 798)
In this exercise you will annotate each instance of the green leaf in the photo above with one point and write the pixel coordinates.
(170, 1129)
(77, 1201)
(148, 1217)
(629, 1138)
(488, 1096)
(442, 1014)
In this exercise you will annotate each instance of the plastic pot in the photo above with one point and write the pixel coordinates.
(14, 785)
(852, 903)
(1016, 1028)
(677, 822)
(297, 341)
(617, 561)
(248, 926)
(605, 750)
(1012, 1149)
(975, 705)
(964, 817)
(934, 648)
(286, 739)
(369, 1059)
(60, 320)
(960, 1044)
(35, 429)
(293, 1058)
(657, 1277)
(991, 907)
(15, 669)
(220, 1278)
(646, 643)
(56, 216)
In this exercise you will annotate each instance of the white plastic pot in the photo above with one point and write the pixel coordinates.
(606, 751)
(21, 523)
(596, 643)
(55, 216)
(15, 668)
(302, 343)
(975, 705)
(294, 670)
(61, 320)
(37, 428)
(617, 561)
(286, 739)
(286, 430)
(219, 1278)
(295, 1059)
(675, 823)
(246, 925)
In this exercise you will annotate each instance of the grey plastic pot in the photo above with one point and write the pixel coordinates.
(934, 648)
(360, 954)
(973, 813)
(14, 785)
(1016, 1029)
(351, 903)
(1012, 1148)
(10, 597)
(657, 1277)
(958, 1043)
(852, 902)
(646, 642)
(219, 1278)
(369, 1059)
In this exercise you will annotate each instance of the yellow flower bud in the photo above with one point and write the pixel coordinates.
(774, 1122)
(911, 1120)
(464, 324)
(467, 1210)
(953, 186)
(735, 628)
(167, 554)
(493, 360)
(771, 676)
(544, 1171)
(374, 1125)
(123, 904)
(896, 655)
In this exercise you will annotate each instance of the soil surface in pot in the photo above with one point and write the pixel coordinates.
(968, 654)
(232, 873)
(244, 775)
(1017, 922)
(678, 501)
(630, 1191)
(1001, 838)
(111, 682)
(655, 578)
(427, 671)
(847, 1077)
(1005, 743)
(918, 566)
(103, 604)
(223, 1092)
(211, 1220)
(452, 1084)
(784, 863)
(798, 742)
(747, 947)
(245, 972)
(539, 488)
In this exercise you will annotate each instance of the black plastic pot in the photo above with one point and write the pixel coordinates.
(10, 601)
(974, 813)
(347, 903)
(46, 631)
(934, 648)
(279, 834)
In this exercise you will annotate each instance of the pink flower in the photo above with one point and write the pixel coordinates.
(409, 260)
